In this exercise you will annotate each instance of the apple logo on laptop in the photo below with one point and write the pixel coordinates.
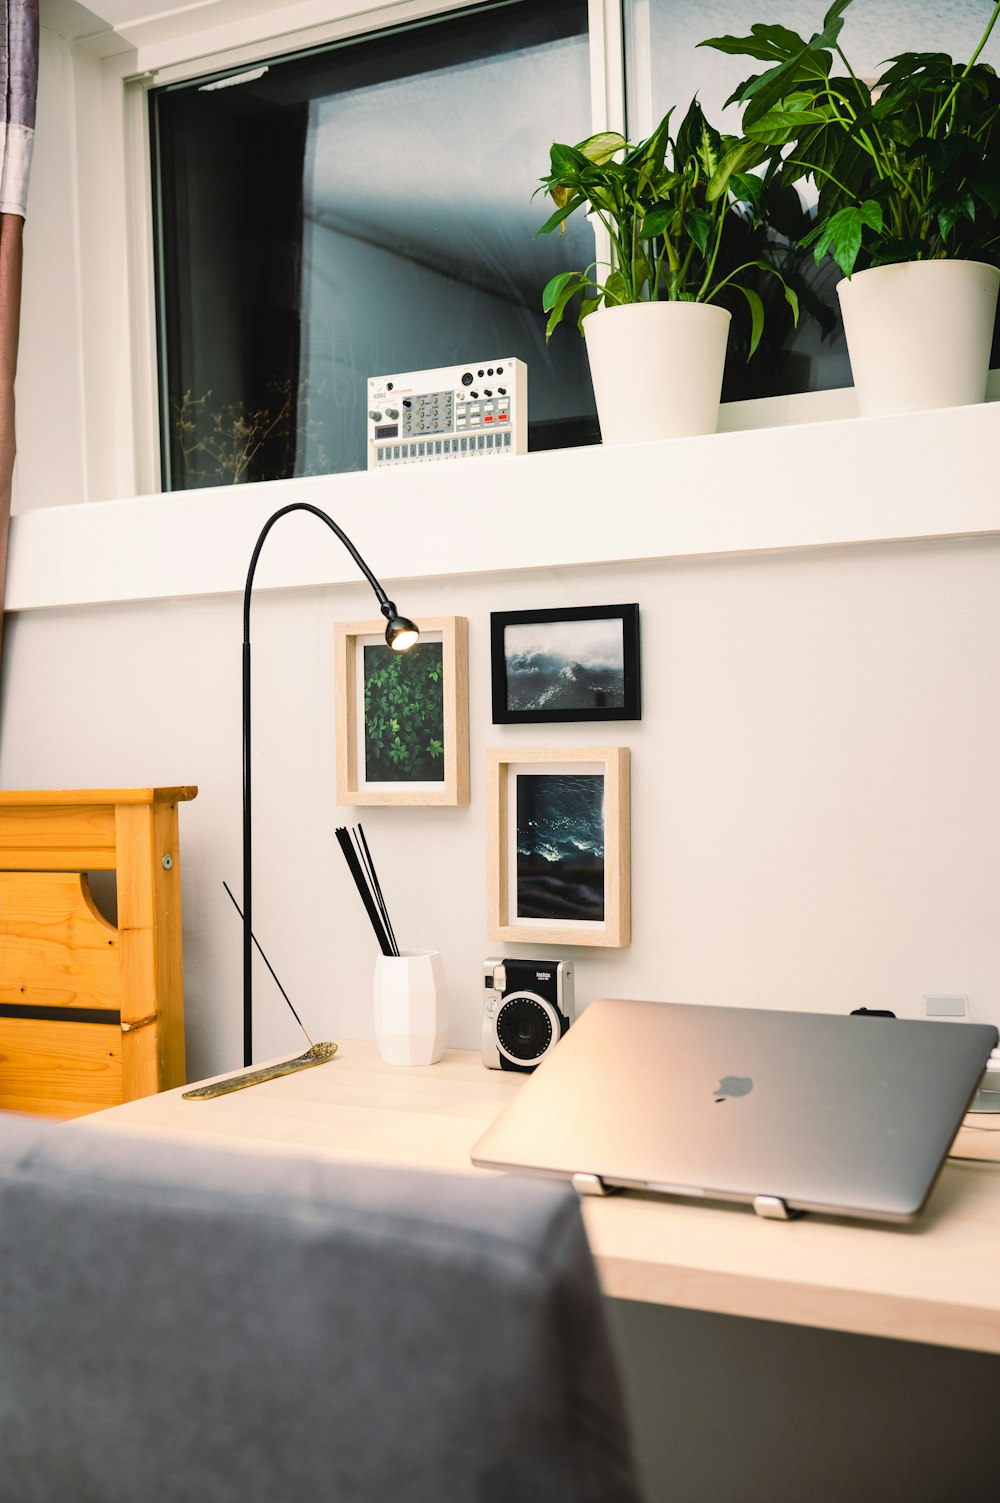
(733, 1085)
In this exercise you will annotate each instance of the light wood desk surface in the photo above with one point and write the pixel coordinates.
(936, 1281)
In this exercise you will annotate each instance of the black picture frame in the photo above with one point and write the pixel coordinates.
(625, 693)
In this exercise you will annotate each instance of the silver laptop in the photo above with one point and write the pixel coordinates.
(791, 1111)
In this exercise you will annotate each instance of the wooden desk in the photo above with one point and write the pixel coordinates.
(937, 1281)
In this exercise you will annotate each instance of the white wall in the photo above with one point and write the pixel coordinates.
(816, 813)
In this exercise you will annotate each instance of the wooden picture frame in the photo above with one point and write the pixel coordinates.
(540, 896)
(377, 764)
(567, 664)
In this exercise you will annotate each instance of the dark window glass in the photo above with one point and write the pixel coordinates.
(358, 210)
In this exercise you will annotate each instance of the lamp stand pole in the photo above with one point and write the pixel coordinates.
(400, 633)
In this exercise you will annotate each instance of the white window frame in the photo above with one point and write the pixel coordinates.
(128, 433)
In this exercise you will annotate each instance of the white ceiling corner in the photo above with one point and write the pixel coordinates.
(138, 22)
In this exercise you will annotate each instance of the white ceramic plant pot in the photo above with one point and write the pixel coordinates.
(919, 334)
(657, 369)
(411, 1007)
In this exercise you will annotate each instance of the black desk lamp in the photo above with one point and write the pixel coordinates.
(400, 634)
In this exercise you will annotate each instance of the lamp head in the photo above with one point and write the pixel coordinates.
(401, 633)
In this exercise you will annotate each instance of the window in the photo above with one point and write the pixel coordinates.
(355, 210)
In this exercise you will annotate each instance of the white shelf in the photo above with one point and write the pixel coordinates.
(820, 480)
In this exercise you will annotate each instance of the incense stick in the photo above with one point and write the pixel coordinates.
(270, 968)
(367, 887)
(378, 888)
(360, 882)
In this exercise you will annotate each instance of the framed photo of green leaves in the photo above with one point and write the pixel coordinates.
(403, 717)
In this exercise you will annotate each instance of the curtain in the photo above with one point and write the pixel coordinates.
(18, 91)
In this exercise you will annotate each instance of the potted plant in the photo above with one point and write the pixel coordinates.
(656, 333)
(908, 175)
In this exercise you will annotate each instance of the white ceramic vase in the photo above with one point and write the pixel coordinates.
(919, 334)
(657, 369)
(411, 1007)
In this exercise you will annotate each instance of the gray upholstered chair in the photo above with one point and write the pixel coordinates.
(199, 1323)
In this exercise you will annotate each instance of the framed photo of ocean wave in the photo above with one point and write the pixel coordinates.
(576, 663)
(559, 846)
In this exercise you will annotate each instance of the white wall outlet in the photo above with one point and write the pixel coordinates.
(948, 1009)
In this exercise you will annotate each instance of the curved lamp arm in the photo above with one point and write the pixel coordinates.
(400, 634)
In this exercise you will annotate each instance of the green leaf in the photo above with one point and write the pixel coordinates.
(654, 150)
(565, 295)
(565, 160)
(986, 189)
(697, 223)
(796, 61)
(908, 63)
(790, 296)
(841, 234)
(961, 207)
(768, 43)
(709, 151)
(742, 90)
(697, 141)
(942, 156)
(552, 289)
(756, 315)
(561, 214)
(615, 290)
(748, 188)
(588, 306)
(656, 219)
(780, 125)
(764, 93)
(688, 134)
(602, 147)
(746, 155)
(641, 273)
(832, 24)
(558, 308)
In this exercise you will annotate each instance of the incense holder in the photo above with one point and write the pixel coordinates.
(411, 1007)
(318, 1054)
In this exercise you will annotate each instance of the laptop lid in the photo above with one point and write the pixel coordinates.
(815, 1111)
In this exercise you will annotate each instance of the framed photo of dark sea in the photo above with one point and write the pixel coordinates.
(574, 663)
(559, 846)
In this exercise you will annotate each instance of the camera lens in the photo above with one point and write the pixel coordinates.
(524, 1028)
